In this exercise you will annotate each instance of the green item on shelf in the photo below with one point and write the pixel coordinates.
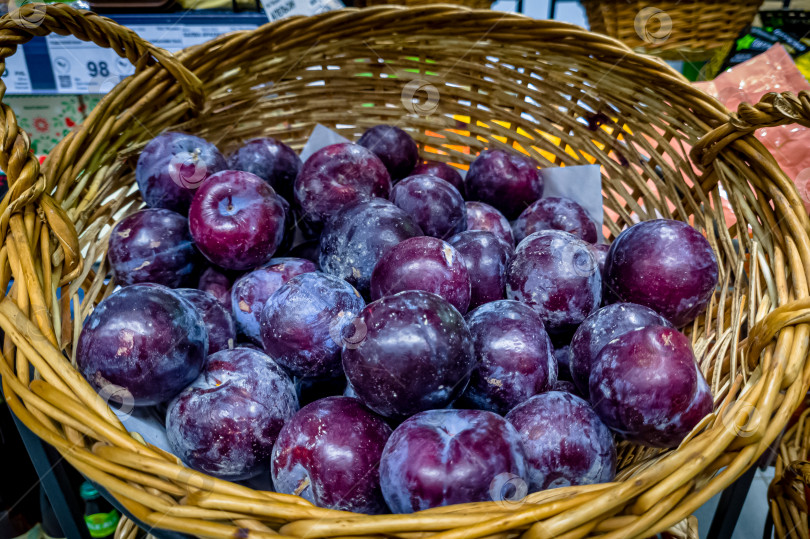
(99, 515)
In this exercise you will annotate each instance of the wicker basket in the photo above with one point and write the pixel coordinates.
(555, 91)
(789, 491)
(475, 4)
(672, 29)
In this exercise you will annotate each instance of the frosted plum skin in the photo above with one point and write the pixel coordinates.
(251, 291)
(303, 321)
(226, 422)
(217, 283)
(144, 338)
(423, 263)
(564, 440)
(409, 352)
(665, 265)
(555, 213)
(599, 252)
(395, 148)
(601, 327)
(355, 239)
(329, 453)
(434, 205)
(271, 160)
(514, 356)
(441, 170)
(482, 216)
(486, 258)
(153, 246)
(508, 181)
(218, 321)
(445, 457)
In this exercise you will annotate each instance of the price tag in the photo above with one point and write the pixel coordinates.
(174, 38)
(83, 68)
(278, 9)
(16, 75)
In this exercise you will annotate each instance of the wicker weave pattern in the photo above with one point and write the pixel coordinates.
(475, 4)
(672, 28)
(788, 492)
(561, 94)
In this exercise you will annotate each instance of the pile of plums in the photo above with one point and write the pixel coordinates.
(379, 333)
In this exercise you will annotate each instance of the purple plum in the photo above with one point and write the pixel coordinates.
(408, 352)
(441, 170)
(565, 442)
(218, 284)
(599, 252)
(226, 422)
(355, 239)
(562, 354)
(514, 356)
(555, 273)
(236, 220)
(271, 160)
(142, 345)
(303, 323)
(251, 291)
(506, 180)
(290, 226)
(645, 385)
(172, 166)
(446, 457)
(555, 213)
(153, 246)
(486, 258)
(435, 205)
(601, 327)
(329, 453)
(482, 216)
(665, 265)
(218, 321)
(567, 386)
(395, 148)
(423, 263)
(335, 176)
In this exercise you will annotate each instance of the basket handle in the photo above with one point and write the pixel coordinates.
(773, 109)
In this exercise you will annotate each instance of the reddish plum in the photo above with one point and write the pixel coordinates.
(153, 246)
(329, 453)
(565, 442)
(435, 205)
(506, 180)
(303, 323)
(271, 160)
(482, 216)
(408, 352)
(172, 166)
(446, 457)
(395, 148)
(665, 265)
(601, 327)
(599, 252)
(441, 170)
(251, 291)
(353, 241)
(555, 213)
(645, 385)
(218, 284)
(218, 321)
(335, 176)
(236, 220)
(226, 422)
(423, 263)
(514, 356)
(142, 345)
(486, 258)
(555, 273)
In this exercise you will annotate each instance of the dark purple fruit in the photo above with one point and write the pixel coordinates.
(303, 323)
(236, 220)
(599, 252)
(251, 291)
(218, 321)
(446, 457)
(407, 353)
(435, 205)
(514, 356)
(172, 166)
(482, 216)
(335, 176)
(395, 148)
(601, 327)
(423, 263)
(355, 239)
(568, 387)
(555, 273)
(271, 160)
(555, 213)
(142, 345)
(216, 283)
(665, 265)
(565, 442)
(506, 180)
(562, 354)
(226, 422)
(444, 171)
(329, 453)
(153, 246)
(486, 258)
